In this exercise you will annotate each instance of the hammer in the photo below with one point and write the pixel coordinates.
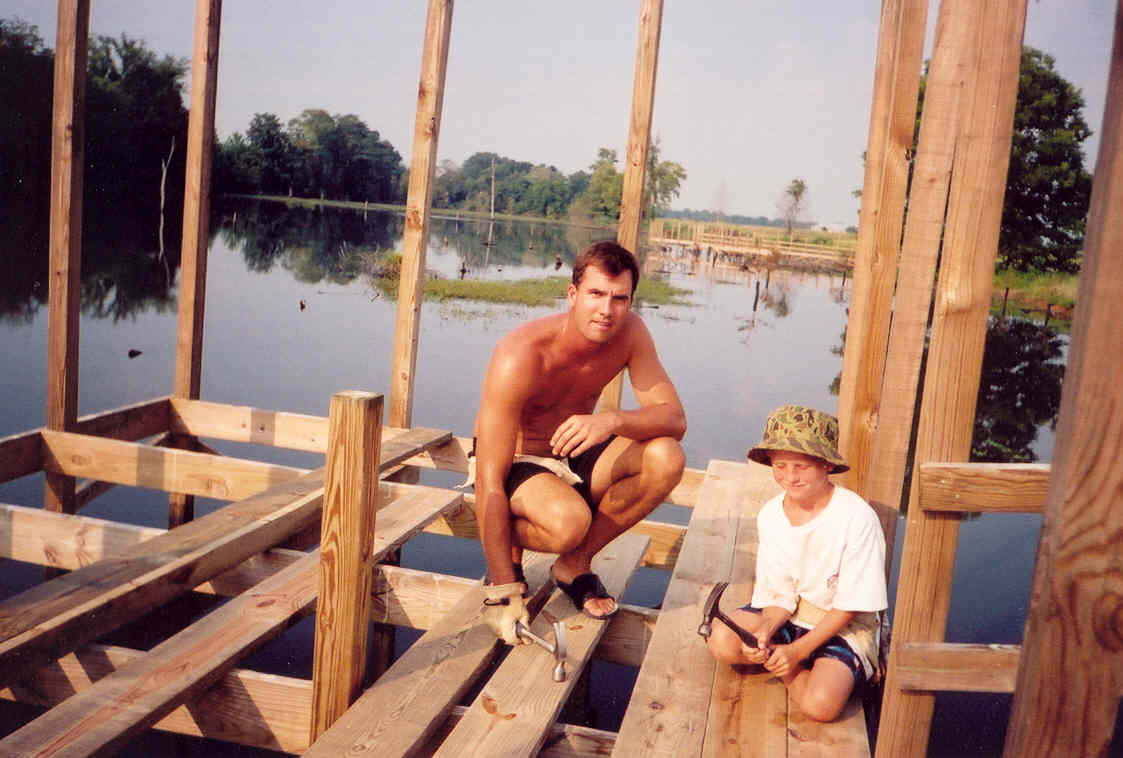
(557, 649)
(712, 610)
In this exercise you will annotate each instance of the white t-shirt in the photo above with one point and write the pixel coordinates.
(835, 560)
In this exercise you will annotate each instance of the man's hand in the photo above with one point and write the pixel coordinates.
(580, 432)
(503, 607)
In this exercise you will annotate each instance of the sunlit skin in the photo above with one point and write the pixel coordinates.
(821, 691)
(539, 397)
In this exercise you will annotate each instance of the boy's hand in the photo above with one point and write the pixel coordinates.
(758, 654)
(783, 660)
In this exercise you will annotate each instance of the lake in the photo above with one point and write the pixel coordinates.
(292, 317)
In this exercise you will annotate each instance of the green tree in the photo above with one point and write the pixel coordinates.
(605, 186)
(273, 153)
(662, 181)
(793, 203)
(1047, 190)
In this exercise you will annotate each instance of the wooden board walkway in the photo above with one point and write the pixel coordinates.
(103, 717)
(51, 619)
(520, 702)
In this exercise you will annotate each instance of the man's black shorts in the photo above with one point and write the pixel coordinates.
(582, 465)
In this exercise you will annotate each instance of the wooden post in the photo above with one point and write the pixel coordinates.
(426, 130)
(68, 138)
(346, 555)
(639, 143)
(892, 120)
(939, 129)
(955, 354)
(1069, 673)
(196, 227)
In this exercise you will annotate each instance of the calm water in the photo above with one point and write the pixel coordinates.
(292, 318)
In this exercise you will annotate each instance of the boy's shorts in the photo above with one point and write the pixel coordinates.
(836, 648)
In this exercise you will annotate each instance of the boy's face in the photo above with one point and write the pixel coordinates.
(803, 477)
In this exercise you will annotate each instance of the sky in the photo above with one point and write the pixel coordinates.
(749, 96)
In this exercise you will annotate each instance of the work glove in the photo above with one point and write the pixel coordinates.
(503, 608)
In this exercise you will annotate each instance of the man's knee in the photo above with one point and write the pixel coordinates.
(664, 459)
(565, 526)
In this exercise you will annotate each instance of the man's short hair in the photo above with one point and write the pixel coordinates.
(609, 256)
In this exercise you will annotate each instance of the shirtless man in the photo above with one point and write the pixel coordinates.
(539, 395)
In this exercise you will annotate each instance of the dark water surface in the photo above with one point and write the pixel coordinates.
(291, 318)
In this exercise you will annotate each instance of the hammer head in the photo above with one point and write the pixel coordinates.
(711, 609)
(559, 647)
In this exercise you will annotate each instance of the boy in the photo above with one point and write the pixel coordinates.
(820, 573)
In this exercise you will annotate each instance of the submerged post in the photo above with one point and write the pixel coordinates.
(68, 137)
(1067, 693)
(196, 225)
(343, 610)
(426, 130)
(639, 144)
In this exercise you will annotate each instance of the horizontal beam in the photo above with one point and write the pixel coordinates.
(956, 667)
(984, 487)
(160, 468)
(131, 422)
(21, 454)
(237, 423)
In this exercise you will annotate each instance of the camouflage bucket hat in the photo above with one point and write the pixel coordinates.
(799, 429)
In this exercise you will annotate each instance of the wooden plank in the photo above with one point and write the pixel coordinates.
(397, 714)
(160, 468)
(347, 537)
(846, 735)
(131, 422)
(68, 147)
(900, 48)
(295, 431)
(415, 239)
(955, 353)
(101, 719)
(957, 667)
(55, 617)
(246, 707)
(520, 702)
(748, 713)
(1074, 626)
(562, 740)
(20, 455)
(984, 487)
(669, 705)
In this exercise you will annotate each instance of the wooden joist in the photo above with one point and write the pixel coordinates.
(106, 715)
(409, 701)
(520, 702)
(989, 487)
(235, 423)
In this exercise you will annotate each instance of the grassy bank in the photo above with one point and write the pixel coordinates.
(1031, 294)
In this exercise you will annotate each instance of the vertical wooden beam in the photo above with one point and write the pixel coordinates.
(1067, 691)
(955, 354)
(939, 130)
(426, 130)
(196, 225)
(68, 138)
(639, 144)
(346, 555)
(896, 83)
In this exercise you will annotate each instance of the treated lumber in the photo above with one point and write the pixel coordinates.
(20, 455)
(846, 735)
(246, 707)
(984, 487)
(1069, 679)
(957, 667)
(520, 702)
(346, 561)
(68, 149)
(236, 423)
(103, 718)
(398, 713)
(748, 714)
(991, 61)
(55, 617)
(131, 422)
(668, 709)
(415, 236)
(900, 47)
(160, 468)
